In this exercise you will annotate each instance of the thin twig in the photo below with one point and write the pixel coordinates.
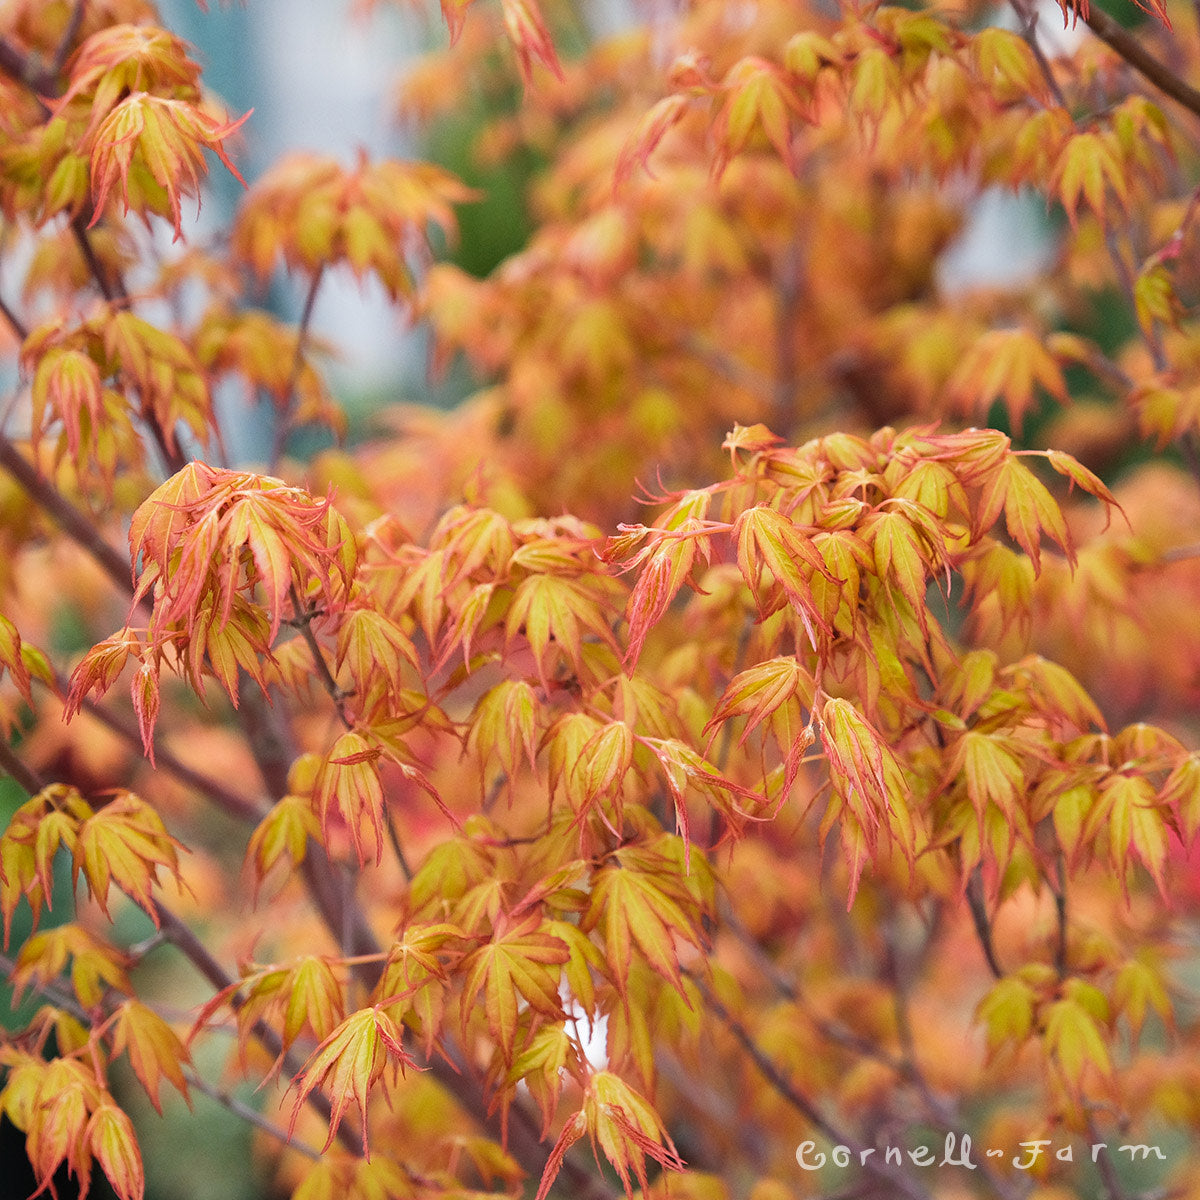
(234, 803)
(13, 765)
(1028, 17)
(871, 1164)
(1105, 1165)
(303, 623)
(249, 1114)
(283, 426)
(18, 66)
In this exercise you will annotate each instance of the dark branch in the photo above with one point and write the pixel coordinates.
(1141, 60)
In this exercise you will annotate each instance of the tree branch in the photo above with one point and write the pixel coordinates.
(871, 1163)
(983, 927)
(80, 528)
(1141, 60)
(176, 931)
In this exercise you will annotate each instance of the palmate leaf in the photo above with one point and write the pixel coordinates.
(868, 784)
(759, 690)
(1029, 510)
(30, 844)
(543, 1067)
(558, 608)
(520, 963)
(1074, 1038)
(348, 1064)
(1135, 822)
(634, 908)
(111, 1140)
(758, 98)
(95, 966)
(621, 1123)
(526, 28)
(1007, 365)
(603, 763)
(57, 1132)
(164, 137)
(994, 774)
(125, 843)
(156, 1051)
(685, 769)
(768, 541)
(349, 786)
(282, 834)
(663, 573)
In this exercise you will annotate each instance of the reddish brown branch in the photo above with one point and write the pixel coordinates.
(79, 527)
(1141, 60)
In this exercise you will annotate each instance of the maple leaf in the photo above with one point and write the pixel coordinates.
(1134, 822)
(95, 966)
(602, 764)
(66, 382)
(168, 138)
(1008, 365)
(767, 540)
(1090, 167)
(651, 128)
(29, 845)
(526, 28)
(619, 1121)
(67, 1094)
(414, 978)
(759, 690)
(283, 832)
(1029, 510)
(125, 843)
(521, 962)
(349, 785)
(155, 1050)
(313, 212)
(125, 58)
(111, 1140)
(631, 907)
(1007, 1012)
(684, 768)
(864, 771)
(543, 1067)
(1139, 986)
(348, 1064)
(371, 645)
(144, 690)
(558, 608)
(1073, 1036)
(758, 97)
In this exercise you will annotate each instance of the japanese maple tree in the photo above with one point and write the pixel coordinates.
(748, 747)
